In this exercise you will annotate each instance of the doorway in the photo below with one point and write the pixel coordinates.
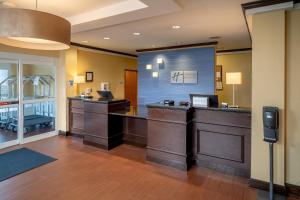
(27, 98)
(131, 79)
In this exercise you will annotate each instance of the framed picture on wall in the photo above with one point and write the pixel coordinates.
(219, 73)
(219, 85)
(218, 77)
(89, 76)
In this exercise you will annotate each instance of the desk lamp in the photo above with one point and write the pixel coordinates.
(233, 78)
(78, 80)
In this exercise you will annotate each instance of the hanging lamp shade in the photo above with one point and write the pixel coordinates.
(33, 29)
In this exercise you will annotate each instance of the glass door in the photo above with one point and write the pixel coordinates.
(9, 103)
(27, 98)
(39, 102)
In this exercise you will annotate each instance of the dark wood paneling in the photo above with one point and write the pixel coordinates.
(96, 124)
(293, 190)
(168, 115)
(76, 117)
(95, 107)
(76, 103)
(169, 137)
(117, 106)
(236, 119)
(220, 145)
(77, 110)
(78, 121)
(262, 185)
(100, 128)
(233, 50)
(179, 46)
(222, 141)
(262, 3)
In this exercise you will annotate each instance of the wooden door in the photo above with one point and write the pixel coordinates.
(131, 77)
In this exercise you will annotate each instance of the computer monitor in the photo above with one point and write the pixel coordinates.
(105, 94)
(206, 101)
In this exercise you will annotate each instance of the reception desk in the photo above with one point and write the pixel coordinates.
(177, 136)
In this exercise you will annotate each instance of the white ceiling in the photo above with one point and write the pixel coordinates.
(119, 19)
(64, 8)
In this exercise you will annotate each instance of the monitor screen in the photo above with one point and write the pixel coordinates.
(105, 94)
(212, 100)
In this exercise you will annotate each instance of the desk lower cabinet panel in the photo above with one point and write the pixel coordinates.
(170, 141)
(135, 131)
(223, 145)
(101, 129)
(76, 117)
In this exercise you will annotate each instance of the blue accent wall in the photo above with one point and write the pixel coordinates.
(151, 90)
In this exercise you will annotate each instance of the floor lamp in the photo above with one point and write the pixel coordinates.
(233, 78)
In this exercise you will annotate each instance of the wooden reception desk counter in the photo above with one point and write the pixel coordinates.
(176, 136)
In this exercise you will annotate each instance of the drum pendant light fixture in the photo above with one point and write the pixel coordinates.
(32, 29)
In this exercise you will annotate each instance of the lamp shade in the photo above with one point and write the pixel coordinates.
(32, 29)
(234, 78)
(79, 79)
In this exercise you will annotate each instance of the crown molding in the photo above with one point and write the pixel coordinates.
(204, 44)
(102, 49)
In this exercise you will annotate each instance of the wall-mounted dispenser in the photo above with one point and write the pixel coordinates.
(271, 131)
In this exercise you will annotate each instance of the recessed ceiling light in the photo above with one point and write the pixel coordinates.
(176, 27)
(215, 37)
(85, 41)
(106, 38)
(136, 33)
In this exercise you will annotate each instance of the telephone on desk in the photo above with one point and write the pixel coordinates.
(184, 103)
(169, 102)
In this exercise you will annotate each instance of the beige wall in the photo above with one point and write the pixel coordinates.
(70, 62)
(268, 89)
(236, 62)
(106, 68)
(293, 98)
(276, 82)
